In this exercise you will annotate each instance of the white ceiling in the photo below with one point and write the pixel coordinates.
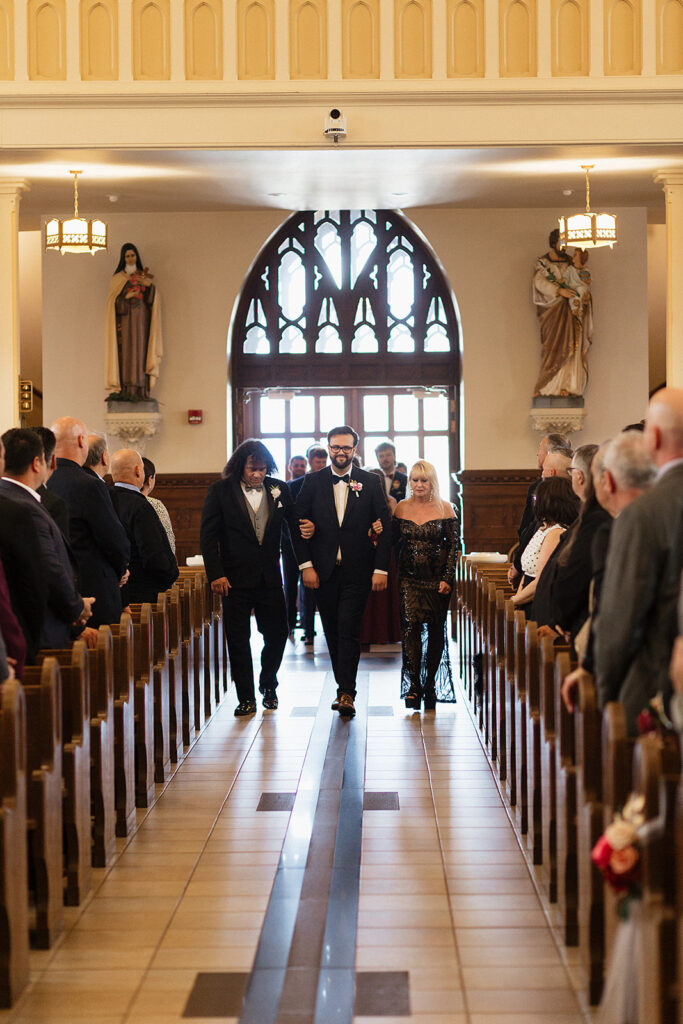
(127, 181)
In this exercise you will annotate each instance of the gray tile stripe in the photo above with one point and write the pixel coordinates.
(317, 878)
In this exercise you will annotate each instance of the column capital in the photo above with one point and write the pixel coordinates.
(673, 176)
(13, 186)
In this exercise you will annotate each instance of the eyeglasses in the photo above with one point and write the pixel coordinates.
(346, 448)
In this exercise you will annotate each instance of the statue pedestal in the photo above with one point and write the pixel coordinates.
(557, 415)
(133, 423)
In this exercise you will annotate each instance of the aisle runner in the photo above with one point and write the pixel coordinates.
(304, 963)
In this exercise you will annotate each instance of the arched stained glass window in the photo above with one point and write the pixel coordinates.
(335, 291)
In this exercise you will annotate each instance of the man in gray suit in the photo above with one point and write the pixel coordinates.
(637, 620)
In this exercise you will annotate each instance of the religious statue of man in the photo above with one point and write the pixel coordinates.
(562, 296)
(133, 327)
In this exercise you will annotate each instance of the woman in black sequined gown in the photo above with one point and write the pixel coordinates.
(425, 531)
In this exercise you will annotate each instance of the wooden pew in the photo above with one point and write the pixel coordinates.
(76, 773)
(175, 676)
(143, 629)
(160, 671)
(656, 771)
(220, 648)
(565, 762)
(617, 762)
(124, 724)
(535, 743)
(509, 683)
(42, 690)
(192, 624)
(187, 643)
(589, 815)
(14, 962)
(520, 713)
(101, 660)
(548, 784)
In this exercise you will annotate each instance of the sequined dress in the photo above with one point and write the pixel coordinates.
(427, 555)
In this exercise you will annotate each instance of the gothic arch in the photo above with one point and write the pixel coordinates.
(345, 297)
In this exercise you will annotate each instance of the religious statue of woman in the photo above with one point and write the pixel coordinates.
(562, 296)
(133, 328)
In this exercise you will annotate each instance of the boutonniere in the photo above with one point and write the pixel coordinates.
(275, 493)
(356, 486)
(395, 485)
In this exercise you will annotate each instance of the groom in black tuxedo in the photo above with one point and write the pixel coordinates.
(240, 542)
(339, 561)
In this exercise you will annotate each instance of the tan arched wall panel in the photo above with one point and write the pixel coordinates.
(151, 40)
(623, 37)
(308, 39)
(413, 38)
(255, 39)
(360, 38)
(517, 38)
(465, 34)
(46, 40)
(670, 37)
(570, 36)
(99, 40)
(203, 40)
(6, 40)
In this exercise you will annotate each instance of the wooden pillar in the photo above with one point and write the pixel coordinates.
(672, 183)
(10, 195)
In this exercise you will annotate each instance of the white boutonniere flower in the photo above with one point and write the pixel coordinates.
(356, 486)
(275, 493)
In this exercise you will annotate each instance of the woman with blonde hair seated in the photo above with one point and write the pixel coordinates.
(425, 530)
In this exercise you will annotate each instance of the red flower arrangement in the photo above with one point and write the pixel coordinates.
(616, 853)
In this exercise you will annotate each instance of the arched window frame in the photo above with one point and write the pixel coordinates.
(353, 300)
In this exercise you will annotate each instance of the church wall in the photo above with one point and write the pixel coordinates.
(200, 260)
(30, 309)
(656, 290)
(488, 255)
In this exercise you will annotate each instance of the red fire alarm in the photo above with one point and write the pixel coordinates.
(195, 415)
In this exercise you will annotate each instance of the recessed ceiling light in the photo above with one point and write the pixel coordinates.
(567, 191)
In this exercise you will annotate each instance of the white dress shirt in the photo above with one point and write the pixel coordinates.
(253, 496)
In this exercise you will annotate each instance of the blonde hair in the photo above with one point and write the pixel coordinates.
(425, 469)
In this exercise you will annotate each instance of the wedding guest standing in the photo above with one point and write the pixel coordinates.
(240, 542)
(381, 620)
(158, 506)
(340, 562)
(424, 528)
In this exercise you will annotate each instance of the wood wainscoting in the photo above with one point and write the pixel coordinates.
(492, 505)
(183, 495)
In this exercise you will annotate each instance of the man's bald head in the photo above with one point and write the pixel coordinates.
(664, 425)
(127, 467)
(72, 439)
(557, 464)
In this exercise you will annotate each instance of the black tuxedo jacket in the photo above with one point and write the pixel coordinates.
(228, 541)
(363, 506)
(63, 602)
(23, 565)
(57, 507)
(153, 567)
(98, 540)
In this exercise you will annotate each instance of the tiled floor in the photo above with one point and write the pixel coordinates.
(449, 928)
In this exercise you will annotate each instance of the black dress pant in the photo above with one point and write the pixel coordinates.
(341, 603)
(268, 604)
(290, 575)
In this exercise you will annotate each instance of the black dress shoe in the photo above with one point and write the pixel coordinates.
(245, 707)
(346, 708)
(413, 700)
(270, 700)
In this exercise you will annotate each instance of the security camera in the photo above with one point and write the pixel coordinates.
(335, 125)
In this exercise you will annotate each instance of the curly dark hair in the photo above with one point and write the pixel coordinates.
(556, 501)
(249, 449)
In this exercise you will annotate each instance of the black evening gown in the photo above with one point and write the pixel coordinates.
(426, 556)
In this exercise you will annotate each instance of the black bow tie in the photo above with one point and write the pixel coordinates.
(338, 479)
(248, 488)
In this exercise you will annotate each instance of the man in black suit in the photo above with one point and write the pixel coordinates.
(98, 540)
(153, 567)
(240, 542)
(395, 483)
(339, 562)
(25, 470)
(290, 563)
(52, 503)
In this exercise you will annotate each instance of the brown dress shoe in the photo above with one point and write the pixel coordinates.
(335, 703)
(346, 708)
